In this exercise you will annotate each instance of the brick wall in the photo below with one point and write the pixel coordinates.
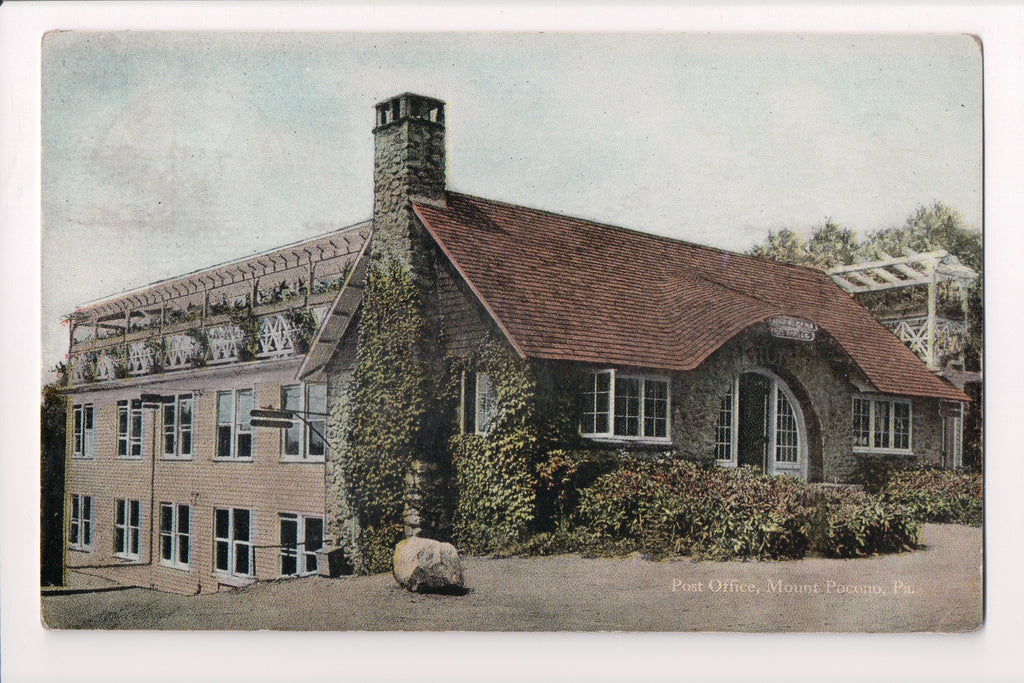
(266, 485)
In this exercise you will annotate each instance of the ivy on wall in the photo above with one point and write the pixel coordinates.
(495, 473)
(390, 419)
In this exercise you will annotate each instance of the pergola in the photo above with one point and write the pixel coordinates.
(929, 269)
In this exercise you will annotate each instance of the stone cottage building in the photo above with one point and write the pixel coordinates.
(718, 356)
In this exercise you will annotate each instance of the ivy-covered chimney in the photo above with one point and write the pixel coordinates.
(409, 165)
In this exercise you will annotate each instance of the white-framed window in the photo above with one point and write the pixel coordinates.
(234, 431)
(80, 531)
(232, 535)
(127, 528)
(619, 405)
(726, 429)
(84, 432)
(301, 537)
(129, 429)
(177, 429)
(175, 535)
(479, 403)
(882, 425)
(305, 440)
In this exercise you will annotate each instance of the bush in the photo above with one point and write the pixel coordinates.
(934, 495)
(675, 507)
(562, 475)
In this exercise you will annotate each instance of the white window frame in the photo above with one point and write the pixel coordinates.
(302, 556)
(234, 544)
(130, 533)
(644, 378)
(235, 426)
(173, 537)
(129, 439)
(873, 401)
(81, 525)
(485, 404)
(83, 437)
(304, 429)
(778, 385)
(175, 428)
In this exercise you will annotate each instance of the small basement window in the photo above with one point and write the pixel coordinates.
(625, 406)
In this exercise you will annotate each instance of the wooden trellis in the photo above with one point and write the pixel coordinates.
(921, 333)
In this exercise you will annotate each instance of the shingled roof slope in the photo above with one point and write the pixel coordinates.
(570, 289)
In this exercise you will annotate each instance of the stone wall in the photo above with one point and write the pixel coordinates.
(824, 382)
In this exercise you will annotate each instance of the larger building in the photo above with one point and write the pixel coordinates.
(714, 355)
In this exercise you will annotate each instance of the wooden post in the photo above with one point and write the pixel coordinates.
(932, 360)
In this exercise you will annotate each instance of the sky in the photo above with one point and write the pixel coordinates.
(168, 152)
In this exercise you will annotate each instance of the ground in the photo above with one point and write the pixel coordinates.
(936, 588)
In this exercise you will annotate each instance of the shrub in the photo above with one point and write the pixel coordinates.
(934, 495)
(562, 475)
(675, 507)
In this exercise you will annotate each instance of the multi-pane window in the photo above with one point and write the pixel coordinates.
(178, 427)
(175, 535)
(301, 537)
(129, 430)
(787, 432)
(723, 429)
(80, 531)
(127, 528)
(486, 401)
(882, 424)
(305, 440)
(620, 405)
(234, 431)
(233, 541)
(84, 432)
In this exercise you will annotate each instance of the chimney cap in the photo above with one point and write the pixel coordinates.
(410, 107)
(426, 98)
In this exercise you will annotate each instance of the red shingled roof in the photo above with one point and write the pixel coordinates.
(570, 289)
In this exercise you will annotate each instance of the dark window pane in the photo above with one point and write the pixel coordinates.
(186, 443)
(224, 441)
(183, 543)
(223, 523)
(241, 525)
(183, 515)
(119, 539)
(316, 442)
(241, 558)
(244, 446)
(119, 512)
(166, 518)
(165, 547)
(135, 541)
(135, 513)
(222, 556)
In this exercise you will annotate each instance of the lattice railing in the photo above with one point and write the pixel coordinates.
(140, 358)
(225, 343)
(950, 335)
(276, 336)
(181, 351)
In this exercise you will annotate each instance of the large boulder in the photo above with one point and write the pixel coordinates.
(422, 565)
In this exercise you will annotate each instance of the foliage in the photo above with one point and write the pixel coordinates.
(62, 373)
(829, 246)
(249, 325)
(494, 480)
(304, 325)
(934, 495)
(202, 346)
(158, 352)
(671, 507)
(53, 442)
(562, 474)
(389, 420)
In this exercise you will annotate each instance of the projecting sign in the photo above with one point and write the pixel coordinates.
(786, 327)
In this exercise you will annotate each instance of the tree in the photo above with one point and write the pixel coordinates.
(830, 245)
(53, 439)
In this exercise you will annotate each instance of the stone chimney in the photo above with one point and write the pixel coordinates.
(409, 165)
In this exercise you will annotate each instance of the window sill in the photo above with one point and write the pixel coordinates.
(630, 440)
(80, 550)
(233, 580)
(176, 567)
(860, 450)
(129, 457)
(127, 558)
(301, 461)
(83, 457)
(179, 458)
(232, 459)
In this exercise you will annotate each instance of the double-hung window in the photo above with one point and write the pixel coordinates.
(234, 432)
(479, 403)
(80, 531)
(301, 537)
(127, 528)
(882, 425)
(175, 535)
(84, 432)
(233, 541)
(619, 405)
(305, 440)
(178, 427)
(129, 430)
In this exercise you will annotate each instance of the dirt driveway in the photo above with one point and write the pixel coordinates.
(937, 588)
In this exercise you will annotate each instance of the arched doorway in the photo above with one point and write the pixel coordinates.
(761, 424)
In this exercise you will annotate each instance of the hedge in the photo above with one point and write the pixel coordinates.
(934, 495)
